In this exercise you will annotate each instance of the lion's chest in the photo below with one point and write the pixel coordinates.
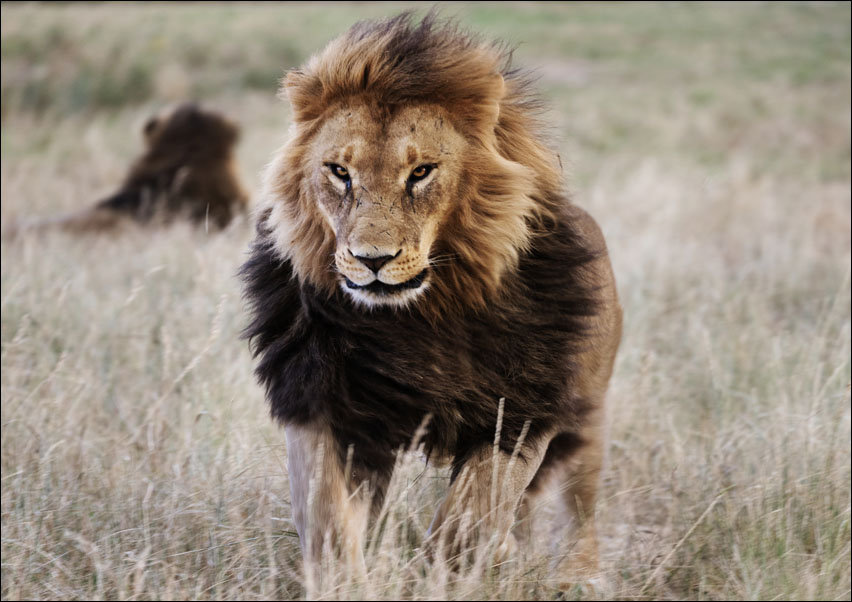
(377, 382)
(375, 377)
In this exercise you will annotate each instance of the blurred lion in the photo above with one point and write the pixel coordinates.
(187, 172)
(419, 277)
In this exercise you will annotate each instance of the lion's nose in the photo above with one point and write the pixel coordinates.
(375, 263)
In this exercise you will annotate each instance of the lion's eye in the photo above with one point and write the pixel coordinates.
(339, 171)
(420, 172)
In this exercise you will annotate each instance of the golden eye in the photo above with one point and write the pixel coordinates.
(340, 171)
(420, 172)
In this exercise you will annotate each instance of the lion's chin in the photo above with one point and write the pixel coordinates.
(378, 293)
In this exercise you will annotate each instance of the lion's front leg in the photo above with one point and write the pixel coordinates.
(482, 501)
(329, 513)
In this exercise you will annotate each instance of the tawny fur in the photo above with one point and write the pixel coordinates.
(487, 285)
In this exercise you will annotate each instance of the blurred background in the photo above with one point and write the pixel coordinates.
(710, 141)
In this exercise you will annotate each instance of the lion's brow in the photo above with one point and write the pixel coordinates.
(411, 153)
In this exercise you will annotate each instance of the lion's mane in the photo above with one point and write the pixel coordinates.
(505, 316)
(513, 180)
(186, 172)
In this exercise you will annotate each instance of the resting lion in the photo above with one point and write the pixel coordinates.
(417, 262)
(186, 172)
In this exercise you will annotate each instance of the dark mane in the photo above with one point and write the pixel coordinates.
(187, 171)
(373, 376)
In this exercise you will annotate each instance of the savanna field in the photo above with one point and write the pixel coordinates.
(712, 144)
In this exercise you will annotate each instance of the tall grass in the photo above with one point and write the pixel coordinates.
(711, 142)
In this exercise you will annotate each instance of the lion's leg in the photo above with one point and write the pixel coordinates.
(524, 519)
(484, 498)
(326, 510)
(95, 219)
(576, 471)
(92, 220)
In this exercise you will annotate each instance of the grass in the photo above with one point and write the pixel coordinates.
(711, 142)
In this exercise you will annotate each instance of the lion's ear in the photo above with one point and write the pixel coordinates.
(149, 128)
(486, 94)
(495, 95)
(304, 91)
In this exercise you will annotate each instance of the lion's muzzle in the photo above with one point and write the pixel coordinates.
(377, 274)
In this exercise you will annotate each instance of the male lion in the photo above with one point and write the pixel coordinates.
(418, 261)
(186, 172)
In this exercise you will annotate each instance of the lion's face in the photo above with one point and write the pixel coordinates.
(384, 181)
(412, 175)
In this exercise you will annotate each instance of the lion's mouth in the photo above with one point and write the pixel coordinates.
(377, 287)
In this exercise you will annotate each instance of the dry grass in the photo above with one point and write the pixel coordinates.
(711, 142)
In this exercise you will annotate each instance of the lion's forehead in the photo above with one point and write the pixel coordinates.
(363, 136)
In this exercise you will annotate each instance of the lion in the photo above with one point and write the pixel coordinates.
(419, 276)
(186, 172)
